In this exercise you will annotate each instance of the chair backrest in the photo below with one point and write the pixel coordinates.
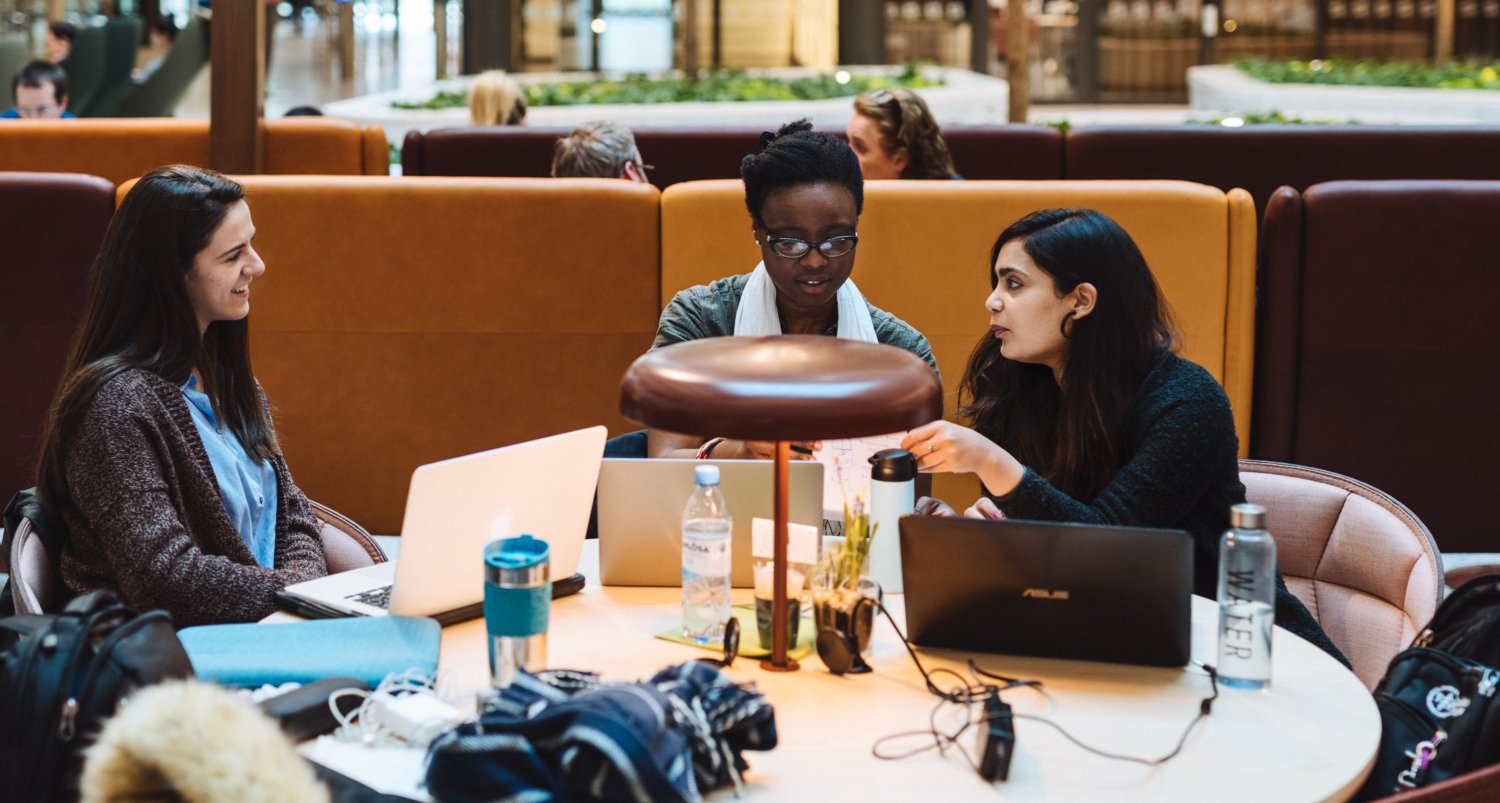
(51, 227)
(15, 51)
(346, 545)
(1261, 158)
(163, 89)
(1364, 564)
(84, 66)
(122, 40)
(1479, 786)
(1199, 242)
(123, 149)
(33, 587)
(433, 309)
(1370, 367)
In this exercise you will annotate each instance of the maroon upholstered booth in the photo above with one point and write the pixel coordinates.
(1007, 152)
(677, 154)
(1376, 349)
(51, 227)
(1263, 157)
(693, 154)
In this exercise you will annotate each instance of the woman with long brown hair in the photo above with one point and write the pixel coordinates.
(159, 456)
(895, 136)
(1080, 409)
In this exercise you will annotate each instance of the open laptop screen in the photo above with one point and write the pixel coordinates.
(1045, 589)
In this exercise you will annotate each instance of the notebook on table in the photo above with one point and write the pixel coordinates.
(543, 488)
(640, 514)
(1092, 593)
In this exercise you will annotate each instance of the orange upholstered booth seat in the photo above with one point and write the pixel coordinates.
(403, 321)
(924, 248)
(123, 149)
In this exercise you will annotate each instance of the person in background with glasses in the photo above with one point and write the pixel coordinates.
(599, 149)
(804, 192)
(894, 136)
(41, 93)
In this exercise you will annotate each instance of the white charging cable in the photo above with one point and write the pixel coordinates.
(404, 710)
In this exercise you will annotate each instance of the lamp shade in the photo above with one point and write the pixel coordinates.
(786, 387)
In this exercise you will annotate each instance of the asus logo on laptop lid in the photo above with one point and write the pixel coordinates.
(1044, 593)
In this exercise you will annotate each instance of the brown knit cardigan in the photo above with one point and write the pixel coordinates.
(148, 521)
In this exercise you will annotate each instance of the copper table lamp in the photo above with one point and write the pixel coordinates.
(785, 388)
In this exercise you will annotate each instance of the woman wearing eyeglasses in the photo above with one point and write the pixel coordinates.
(1081, 410)
(894, 136)
(804, 192)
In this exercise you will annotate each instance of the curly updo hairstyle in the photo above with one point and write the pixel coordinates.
(796, 155)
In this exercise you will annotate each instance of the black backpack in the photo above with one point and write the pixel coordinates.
(1438, 709)
(62, 675)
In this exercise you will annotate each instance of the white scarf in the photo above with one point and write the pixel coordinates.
(757, 313)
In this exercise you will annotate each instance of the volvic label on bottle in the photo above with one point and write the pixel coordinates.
(705, 557)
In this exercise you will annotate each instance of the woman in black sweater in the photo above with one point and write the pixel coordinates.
(1081, 411)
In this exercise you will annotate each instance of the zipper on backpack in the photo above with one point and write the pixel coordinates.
(67, 723)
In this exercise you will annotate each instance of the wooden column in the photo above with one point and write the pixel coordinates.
(1017, 63)
(237, 85)
(1442, 48)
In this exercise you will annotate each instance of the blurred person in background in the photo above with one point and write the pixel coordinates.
(599, 149)
(894, 136)
(496, 99)
(41, 93)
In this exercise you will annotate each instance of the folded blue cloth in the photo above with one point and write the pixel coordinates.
(365, 647)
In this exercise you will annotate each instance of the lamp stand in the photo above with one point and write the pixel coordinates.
(779, 662)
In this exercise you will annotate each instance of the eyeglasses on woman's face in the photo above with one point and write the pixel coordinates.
(831, 248)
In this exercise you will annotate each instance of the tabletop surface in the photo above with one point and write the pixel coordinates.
(1311, 736)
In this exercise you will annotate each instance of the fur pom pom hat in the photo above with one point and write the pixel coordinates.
(195, 742)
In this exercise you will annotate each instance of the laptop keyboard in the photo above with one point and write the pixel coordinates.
(376, 597)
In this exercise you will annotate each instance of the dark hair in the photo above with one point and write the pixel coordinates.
(903, 120)
(63, 30)
(1069, 431)
(165, 26)
(137, 314)
(797, 155)
(304, 111)
(39, 72)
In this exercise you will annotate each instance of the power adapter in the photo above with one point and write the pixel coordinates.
(997, 740)
(418, 718)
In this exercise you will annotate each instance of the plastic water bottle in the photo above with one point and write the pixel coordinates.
(706, 524)
(892, 495)
(1247, 599)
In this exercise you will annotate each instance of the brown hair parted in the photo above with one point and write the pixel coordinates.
(1070, 431)
(138, 315)
(905, 122)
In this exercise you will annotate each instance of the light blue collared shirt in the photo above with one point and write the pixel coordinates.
(247, 485)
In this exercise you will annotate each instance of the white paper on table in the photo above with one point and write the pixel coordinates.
(389, 770)
(846, 470)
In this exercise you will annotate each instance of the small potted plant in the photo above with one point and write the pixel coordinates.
(843, 595)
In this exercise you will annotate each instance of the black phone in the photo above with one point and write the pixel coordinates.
(304, 713)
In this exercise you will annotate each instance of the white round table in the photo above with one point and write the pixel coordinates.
(1311, 736)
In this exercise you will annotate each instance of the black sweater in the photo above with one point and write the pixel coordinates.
(1179, 470)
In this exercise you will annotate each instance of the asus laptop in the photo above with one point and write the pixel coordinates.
(640, 514)
(1085, 592)
(543, 488)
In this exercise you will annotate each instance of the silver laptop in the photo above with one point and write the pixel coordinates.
(1087, 592)
(640, 514)
(543, 487)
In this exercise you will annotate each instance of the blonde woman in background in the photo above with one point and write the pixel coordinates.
(496, 99)
(894, 136)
